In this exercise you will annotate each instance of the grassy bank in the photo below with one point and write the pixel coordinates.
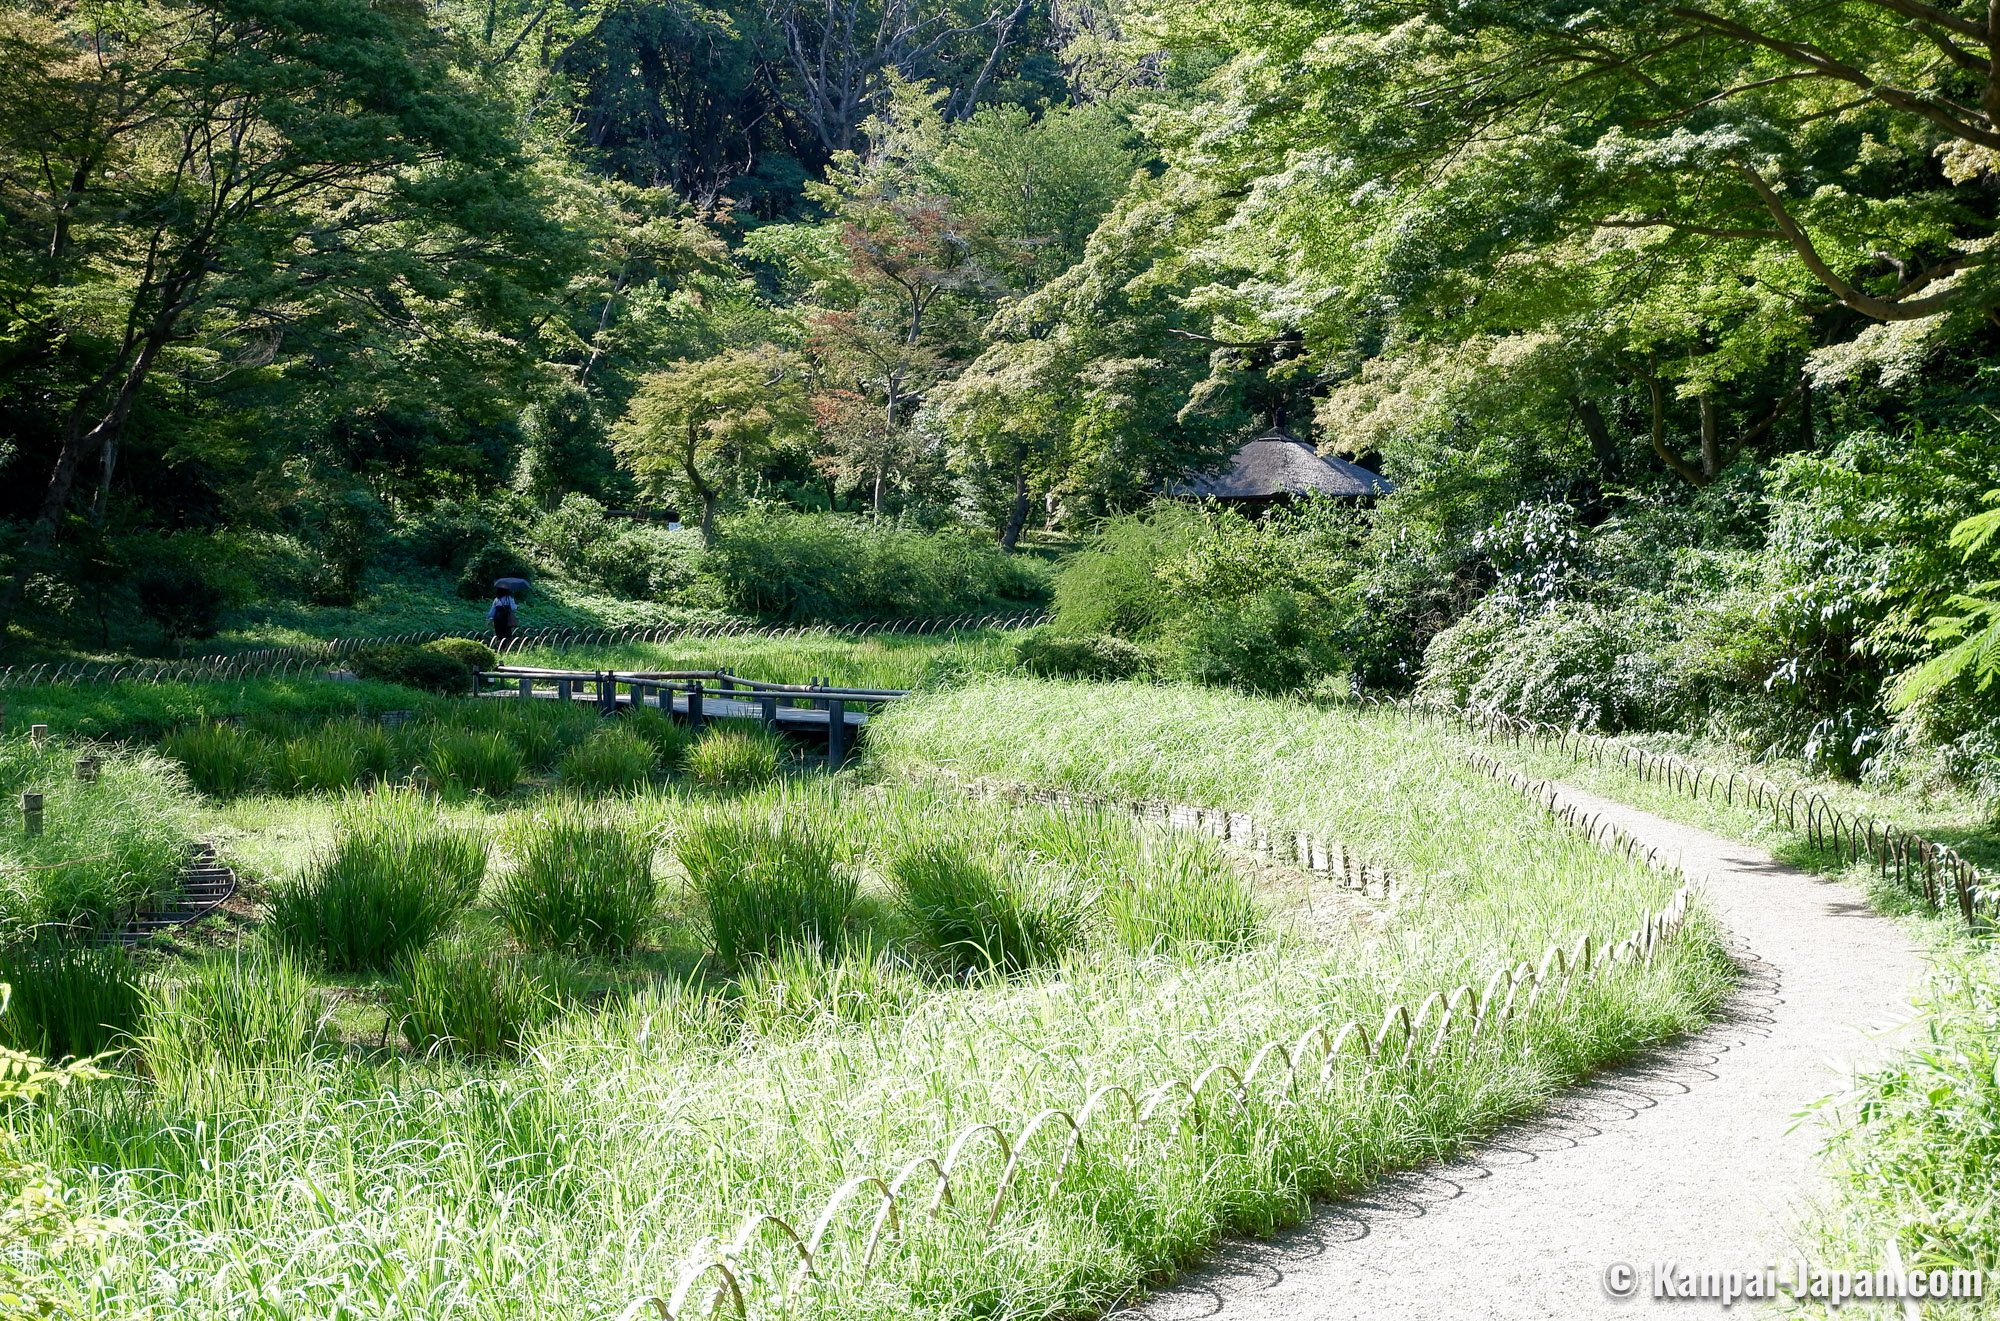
(878, 661)
(985, 963)
(1914, 1147)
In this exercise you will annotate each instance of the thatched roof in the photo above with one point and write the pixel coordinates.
(1276, 464)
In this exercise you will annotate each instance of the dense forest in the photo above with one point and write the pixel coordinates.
(1675, 326)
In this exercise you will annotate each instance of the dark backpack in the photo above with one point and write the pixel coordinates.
(503, 617)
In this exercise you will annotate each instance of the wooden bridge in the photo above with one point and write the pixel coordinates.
(814, 710)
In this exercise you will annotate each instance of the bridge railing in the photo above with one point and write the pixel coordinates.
(688, 693)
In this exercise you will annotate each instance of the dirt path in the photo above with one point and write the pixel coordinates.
(1694, 1157)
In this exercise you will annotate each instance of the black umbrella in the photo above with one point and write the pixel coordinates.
(510, 584)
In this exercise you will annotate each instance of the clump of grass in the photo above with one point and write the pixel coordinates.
(583, 883)
(459, 998)
(221, 760)
(242, 1012)
(543, 731)
(669, 737)
(1158, 892)
(724, 758)
(985, 916)
(1183, 896)
(327, 760)
(396, 876)
(794, 992)
(471, 761)
(106, 844)
(763, 886)
(69, 998)
(612, 758)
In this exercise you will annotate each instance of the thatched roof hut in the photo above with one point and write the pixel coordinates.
(1277, 468)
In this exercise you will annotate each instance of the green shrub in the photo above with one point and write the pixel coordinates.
(793, 566)
(472, 654)
(1099, 657)
(582, 883)
(763, 886)
(670, 738)
(1275, 641)
(1572, 663)
(734, 758)
(456, 997)
(254, 1010)
(70, 998)
(396, 876)
(612, 758)
(412, 667)
(220, 760)
(978, 915)
(463, 761)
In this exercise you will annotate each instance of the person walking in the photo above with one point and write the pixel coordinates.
(500, 615)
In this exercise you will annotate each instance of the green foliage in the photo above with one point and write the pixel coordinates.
(614, 758)
(472, 654)
(1216, 598)
(763, 886)
(724, 758)
(1052, 655)
(1157, 894)
(472, 761)
(582, 882)
(246, 1011)
(981, 916)
(669, 738)
(620, 557)
(106, 844)
(412, 666)
(799, 567)
(456, 997)
(328, 760)
(70, 998)
(221, 760)
(396, 875)
(1915, 1154)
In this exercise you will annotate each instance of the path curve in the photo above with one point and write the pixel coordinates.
(1694, 1156)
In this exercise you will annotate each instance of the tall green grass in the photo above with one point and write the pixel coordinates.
(980, 915)
(396, 876)
(230, 1016)
(106, 844)
(582, 882)
(472, 761)
(69, 997)
(763, 886)
(611, 759)
(731, 758)
(457, 997)
(221, 760)
(570, 1179)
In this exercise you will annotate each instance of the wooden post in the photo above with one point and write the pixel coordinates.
(563, 691)
(527, 686)
(87, 767)
(768, 709)
(695, 719)
(836, 733)
(31, 813)
(39, 735)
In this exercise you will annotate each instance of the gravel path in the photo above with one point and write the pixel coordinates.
(1693, 1157)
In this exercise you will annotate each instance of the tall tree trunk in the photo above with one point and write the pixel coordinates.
(1595, 429)
(1711, 439)
(1017, 514)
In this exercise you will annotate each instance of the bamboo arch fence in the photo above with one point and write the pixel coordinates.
(1110, 1122)
(277, 662)
(1933, 873)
